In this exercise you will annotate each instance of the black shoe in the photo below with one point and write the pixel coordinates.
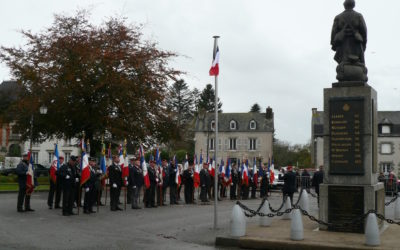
(86, 212)
(101, 204)
(92, 212)
(176, 203)
(153, 206)
(72, 213)
(120, 209)
(50, 207)
(57, 207)
(66, 214)
(20, 210)
(164, 204)
(113, 209)
(29, 210)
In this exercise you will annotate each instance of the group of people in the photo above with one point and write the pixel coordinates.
(154, 181)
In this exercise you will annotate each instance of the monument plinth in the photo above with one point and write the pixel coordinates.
(350, 185)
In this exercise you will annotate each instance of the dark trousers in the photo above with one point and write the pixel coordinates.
(233, 191)
(159, 194)
(58, 194)
(164, 191)
(203, 194)
(50, 197)
(21, 197)
(245, 192)
(253, 191)
(135, 197)
(172, 194)
(89, 200)
(114, 197)
(150, 196)
(77, 194)
(188, 194)
(290, 195)
(68, 200)
(129, 194)
(178, 193)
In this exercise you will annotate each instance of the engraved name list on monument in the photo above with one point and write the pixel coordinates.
(345, 123)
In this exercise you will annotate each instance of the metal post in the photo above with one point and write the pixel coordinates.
(216, 139)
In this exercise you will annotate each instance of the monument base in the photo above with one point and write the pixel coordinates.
(344, 203)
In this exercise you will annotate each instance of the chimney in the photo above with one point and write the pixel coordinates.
(314, 111)
(269, 114)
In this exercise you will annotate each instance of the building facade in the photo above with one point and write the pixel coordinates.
(388, 140)
(240, 135)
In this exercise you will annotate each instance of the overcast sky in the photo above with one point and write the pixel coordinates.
(275, 53)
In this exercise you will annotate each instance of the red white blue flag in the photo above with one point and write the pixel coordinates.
(85, 170)
(214, 70)
(55, 165)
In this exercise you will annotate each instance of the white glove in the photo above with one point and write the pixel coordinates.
(231, 184)
(27, 172)
(114, 185)
(127, 183)
(76, 179)
(87, 190)
(67, 177)
(100, 171)
(156, 179)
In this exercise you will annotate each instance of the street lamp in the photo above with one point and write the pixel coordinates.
(43, 111)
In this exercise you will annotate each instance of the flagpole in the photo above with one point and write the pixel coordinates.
(216, 138)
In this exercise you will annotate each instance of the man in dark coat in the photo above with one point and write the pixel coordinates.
(318, 179)
(188, 182)
(305, 180)
(136, 178)
(59, 185)
(67, 174)
(77, 184)
(22, 171)
(115, 179)
(172, 184)
(89, 188)
(205, 182)
(151, 191)
(289, 185)
(165, 181)
(234, 183)
(264, 181)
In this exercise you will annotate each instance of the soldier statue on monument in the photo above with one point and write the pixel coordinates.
(349, 40)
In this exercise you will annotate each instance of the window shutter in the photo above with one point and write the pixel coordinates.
(258, 144)
(238, 143)
(226, 144)
(246, 144)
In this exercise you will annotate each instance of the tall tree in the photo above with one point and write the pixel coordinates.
(207, 100)
(196, 100)
(95, 79)
(255, 108)
(180, 103)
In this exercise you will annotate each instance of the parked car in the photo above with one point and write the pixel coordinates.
(41, 170)
(8, 171)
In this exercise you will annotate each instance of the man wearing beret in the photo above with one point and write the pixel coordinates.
(115, 178)
(22, 171)
(67, 174)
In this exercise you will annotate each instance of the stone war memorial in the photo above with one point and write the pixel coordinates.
(350, 187)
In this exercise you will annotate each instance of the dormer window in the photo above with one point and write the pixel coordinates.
(253, 125)
(232, 125)
(385, 129)
(212, 125)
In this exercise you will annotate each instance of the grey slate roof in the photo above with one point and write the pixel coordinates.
(203, 122)
(9, 89)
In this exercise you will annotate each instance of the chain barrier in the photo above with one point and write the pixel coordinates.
(251, 213)
(392, 200)
(298, 199)
(280, 207)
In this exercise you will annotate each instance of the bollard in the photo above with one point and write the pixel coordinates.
(288, 205)
(372, 231)
(265, 221)
(238, 222)
(397, 209)
(296, 226)
(305, 201)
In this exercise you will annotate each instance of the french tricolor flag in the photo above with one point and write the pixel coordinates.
(55, 165)
(196, 175)
(30, 178)
(245, 174)
(228, 169)
(144, 168)
(214, 70)
(85, 170)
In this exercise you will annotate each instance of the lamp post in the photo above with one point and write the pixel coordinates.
(43, 111)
